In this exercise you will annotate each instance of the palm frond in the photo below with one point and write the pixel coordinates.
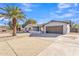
(12, 11)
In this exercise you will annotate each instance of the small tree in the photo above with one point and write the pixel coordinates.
(29, 21)
(76, 26)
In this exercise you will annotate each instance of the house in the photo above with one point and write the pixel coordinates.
(58, 27)
(3, 28)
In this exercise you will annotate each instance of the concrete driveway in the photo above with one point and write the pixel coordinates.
(66, 45)
(22, 45)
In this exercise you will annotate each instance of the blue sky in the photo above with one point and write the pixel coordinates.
(44, 12)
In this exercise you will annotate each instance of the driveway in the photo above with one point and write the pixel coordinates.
(66, 45)
(22, 45)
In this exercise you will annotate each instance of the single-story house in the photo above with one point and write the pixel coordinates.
(76, 30)
(3, 28)
(57, 27)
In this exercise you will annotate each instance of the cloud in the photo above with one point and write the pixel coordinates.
(64, 11)
(67, 5)
(30, 5)
(1, 18)
(75, 20)
(58, 11)
(63, 5)
(67, 15)
(42, 20)
(73, 11)
(62, 16)
(75, 4)
(27, 7)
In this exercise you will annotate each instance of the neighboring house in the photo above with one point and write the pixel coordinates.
(19, 28)
(76, 30)
(3, 28)
(31, 27)
(58, 27)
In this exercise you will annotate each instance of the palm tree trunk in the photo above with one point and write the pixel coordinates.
(14, 26)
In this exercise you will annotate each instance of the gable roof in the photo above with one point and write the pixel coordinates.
(60, 21)
(55, 21)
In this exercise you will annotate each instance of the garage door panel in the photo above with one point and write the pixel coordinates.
(54, 29)
(36, 28)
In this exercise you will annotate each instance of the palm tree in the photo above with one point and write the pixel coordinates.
(13, 13)
(10, 25)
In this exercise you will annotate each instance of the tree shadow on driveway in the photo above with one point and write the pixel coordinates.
(44, 35)
(5, 38)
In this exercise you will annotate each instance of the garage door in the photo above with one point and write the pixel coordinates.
(36, 28)
(54, 29)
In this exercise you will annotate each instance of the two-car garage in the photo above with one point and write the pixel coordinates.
(54, 29)
(57, 27)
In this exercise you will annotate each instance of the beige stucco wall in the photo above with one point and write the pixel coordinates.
(66, 27)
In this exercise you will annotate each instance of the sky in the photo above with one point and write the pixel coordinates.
(44, 12)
